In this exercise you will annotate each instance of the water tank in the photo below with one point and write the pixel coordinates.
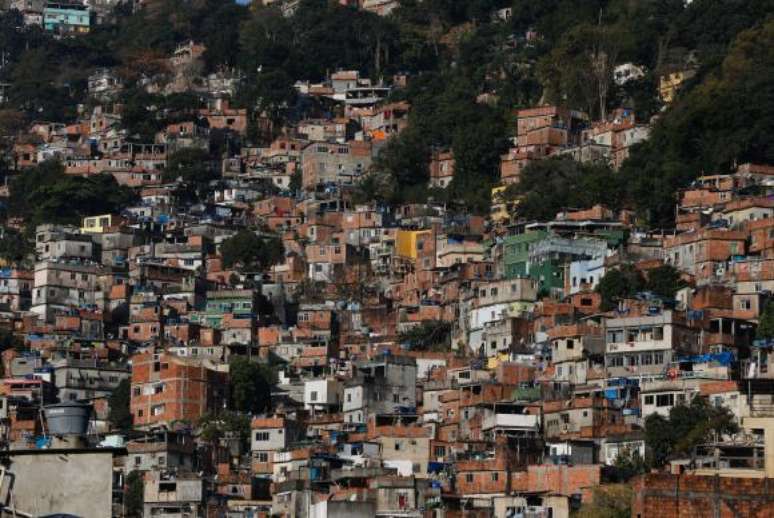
(70, 418)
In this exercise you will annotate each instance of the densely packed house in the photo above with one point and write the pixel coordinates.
(279, 346)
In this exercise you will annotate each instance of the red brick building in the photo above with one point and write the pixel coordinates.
(167, 388)
(671, 496)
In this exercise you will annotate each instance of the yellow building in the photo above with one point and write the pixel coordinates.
(408, 242)
(669, 84)
(98, 224)
(501, 208)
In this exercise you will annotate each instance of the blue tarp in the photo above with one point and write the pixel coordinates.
(435, 467)
(724, 358)
(611, 393)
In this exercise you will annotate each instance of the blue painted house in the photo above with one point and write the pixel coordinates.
(66, 18)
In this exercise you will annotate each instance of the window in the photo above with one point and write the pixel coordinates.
(263, 457)
(648, 400)
(495, 476)
(349, 397)
(396, 398)
(647, 359)
(615, 336)
(469, 478)
(157, 410)
(658, 358)
(615, 361)
(570, 344)
(313, 396)
(440, 451)
(665, 400)
(137, 460)
(261, 436)
(397, 446)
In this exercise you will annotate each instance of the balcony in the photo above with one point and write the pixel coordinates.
(525, 422)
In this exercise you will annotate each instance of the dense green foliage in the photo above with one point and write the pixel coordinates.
(627, 281)
(433, 335)
(134, 494)
(617, 284)
(725, 119)
(44, 194)
(250, 385)
(609, 501)
(251, 252)
(765, 330)
(14, 246)
(194, 168)
(687, 426)
(549, 186)
(559, 51)
(664, 281)
(120, 416)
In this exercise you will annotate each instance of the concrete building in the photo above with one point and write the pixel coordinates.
(168, 388)
(382, 386)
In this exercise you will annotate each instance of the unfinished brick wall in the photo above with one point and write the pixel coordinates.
(668, 496)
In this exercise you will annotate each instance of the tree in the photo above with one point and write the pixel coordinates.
(192, 165)
(250, 385)
(628, 464)
(664, 281)
(251, 252)
(134, 494)
(8, 340)
(610, 501)
(619, 284)
(549, 186)
(432, 335)
(44, 194)
(120, 416)
(14, 247)
(765, 329)
(579, 70)
(725, 118)
(687, 426)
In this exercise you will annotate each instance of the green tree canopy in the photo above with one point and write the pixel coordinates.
(687, 426)
(250, 251)
(250, 385)
(44, 194)
(765, 330)
(727, 118)
(14, 246)
(432, 335)
(134, 494)
(619, 284)
(664, 281)
(120, 416)
(548, 186)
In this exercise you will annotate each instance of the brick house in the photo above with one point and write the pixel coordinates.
(168, 388)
